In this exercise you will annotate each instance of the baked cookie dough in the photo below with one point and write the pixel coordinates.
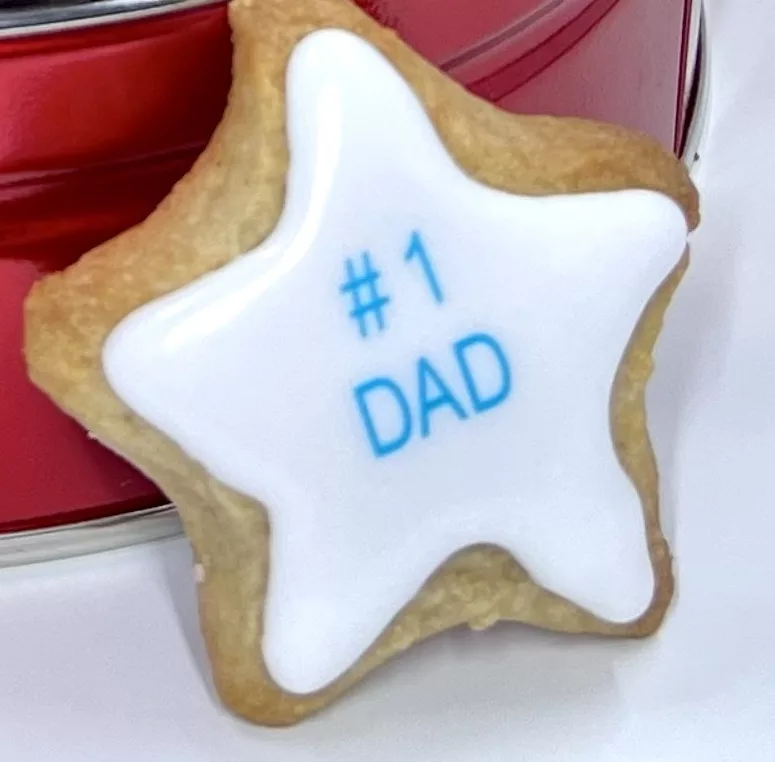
(385, 346)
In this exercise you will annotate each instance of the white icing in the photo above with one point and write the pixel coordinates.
(251, 370)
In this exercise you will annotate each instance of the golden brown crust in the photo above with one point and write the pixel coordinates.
(228, 204)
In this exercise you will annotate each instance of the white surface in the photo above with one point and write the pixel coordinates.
(101, 660)
(537, 294)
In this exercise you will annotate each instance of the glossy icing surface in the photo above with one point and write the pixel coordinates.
(410, 364)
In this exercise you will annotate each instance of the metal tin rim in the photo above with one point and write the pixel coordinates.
(162, 522)
(33, 21)
(38, 545)
(700, 118)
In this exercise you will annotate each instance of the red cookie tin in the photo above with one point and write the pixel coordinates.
(106, 103)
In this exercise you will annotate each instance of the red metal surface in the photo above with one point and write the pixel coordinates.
(98, 124)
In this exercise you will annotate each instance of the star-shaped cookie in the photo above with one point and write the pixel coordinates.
(386, 348)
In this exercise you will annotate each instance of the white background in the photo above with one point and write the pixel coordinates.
(100, 658)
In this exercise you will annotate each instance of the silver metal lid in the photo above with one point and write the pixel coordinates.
(25, 17)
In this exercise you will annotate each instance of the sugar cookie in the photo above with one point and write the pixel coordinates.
(386, 347)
